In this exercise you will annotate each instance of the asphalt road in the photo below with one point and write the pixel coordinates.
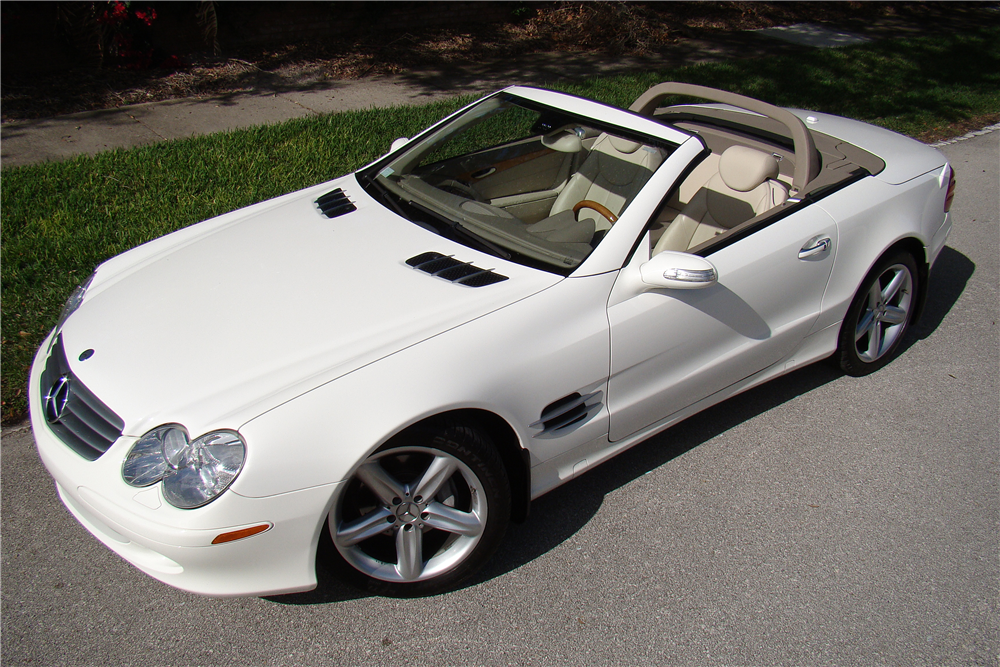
(817, 520)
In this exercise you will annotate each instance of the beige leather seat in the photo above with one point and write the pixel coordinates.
(612, 175)
(744, 188)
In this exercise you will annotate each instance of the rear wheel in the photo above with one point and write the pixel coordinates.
(422, 513)
(879, 315)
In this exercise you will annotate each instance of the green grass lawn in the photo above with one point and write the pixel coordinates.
(60, 220)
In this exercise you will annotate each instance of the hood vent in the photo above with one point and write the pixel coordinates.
(335, 203)
(560, 417)
(449, 268)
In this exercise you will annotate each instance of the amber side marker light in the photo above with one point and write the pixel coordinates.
(240, 534)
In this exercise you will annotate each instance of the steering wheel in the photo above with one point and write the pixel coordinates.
(600, 208)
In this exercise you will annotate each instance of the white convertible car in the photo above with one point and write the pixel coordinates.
(406, 356)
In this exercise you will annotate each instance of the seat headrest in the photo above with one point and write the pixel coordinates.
(743, 169)
(564, 141)
(624, 145)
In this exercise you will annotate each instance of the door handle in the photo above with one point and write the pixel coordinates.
(815, 247)
(483, 173)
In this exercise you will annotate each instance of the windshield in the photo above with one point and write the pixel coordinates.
(520, 180)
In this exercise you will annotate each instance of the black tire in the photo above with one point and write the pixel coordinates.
(879, 316)
(428, 545)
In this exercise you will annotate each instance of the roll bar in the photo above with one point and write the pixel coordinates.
(807, 160)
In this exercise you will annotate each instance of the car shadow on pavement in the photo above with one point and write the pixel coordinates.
(951, 273)
(559, 514)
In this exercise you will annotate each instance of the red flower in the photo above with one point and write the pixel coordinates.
(147, 16)
(114, 14)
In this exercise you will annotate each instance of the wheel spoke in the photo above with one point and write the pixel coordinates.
(894, 285)
(361, 529)
(380, 482)
(894, 315)
(452, 520)
(409, 553)
(437, 473)
(865, 325)
(874, 296)
(875, 341)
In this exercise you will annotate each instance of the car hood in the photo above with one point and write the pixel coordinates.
(213, 325)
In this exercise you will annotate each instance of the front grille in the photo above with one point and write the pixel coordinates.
(75, 415)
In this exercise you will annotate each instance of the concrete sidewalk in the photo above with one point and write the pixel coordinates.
(91, 132)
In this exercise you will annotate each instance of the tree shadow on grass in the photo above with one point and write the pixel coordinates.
(561, 513)
(902, 79)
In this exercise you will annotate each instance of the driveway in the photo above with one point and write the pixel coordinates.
(819, 519)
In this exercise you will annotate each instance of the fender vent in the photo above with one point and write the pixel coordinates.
(456, 271)
(574, 410)
(335, 203)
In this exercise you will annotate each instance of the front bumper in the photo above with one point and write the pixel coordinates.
(173, 545)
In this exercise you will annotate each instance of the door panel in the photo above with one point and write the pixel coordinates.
(672, 348)
(538, 170)
(522, 177)
(512, 169)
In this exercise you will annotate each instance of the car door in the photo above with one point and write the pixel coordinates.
(673, 347)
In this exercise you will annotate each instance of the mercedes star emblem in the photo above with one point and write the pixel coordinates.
(56, 400)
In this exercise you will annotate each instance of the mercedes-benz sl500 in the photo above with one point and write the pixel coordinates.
(408, 355)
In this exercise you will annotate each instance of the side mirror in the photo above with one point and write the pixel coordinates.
(398, 143)
(678, 270)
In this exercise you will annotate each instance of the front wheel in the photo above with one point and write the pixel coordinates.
(422, 513)
(879, 315)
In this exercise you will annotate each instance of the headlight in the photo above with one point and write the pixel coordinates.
(194, 473)
(74, 301)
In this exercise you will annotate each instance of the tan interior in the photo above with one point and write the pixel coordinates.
(744, 187)
(613, 173)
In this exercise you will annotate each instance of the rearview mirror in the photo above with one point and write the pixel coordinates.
(678, 270)
(398, 143)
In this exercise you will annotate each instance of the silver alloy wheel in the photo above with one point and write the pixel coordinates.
(409, 514)
(884, 314)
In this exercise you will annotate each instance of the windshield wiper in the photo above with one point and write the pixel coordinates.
(460, 230)
(396, 205)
